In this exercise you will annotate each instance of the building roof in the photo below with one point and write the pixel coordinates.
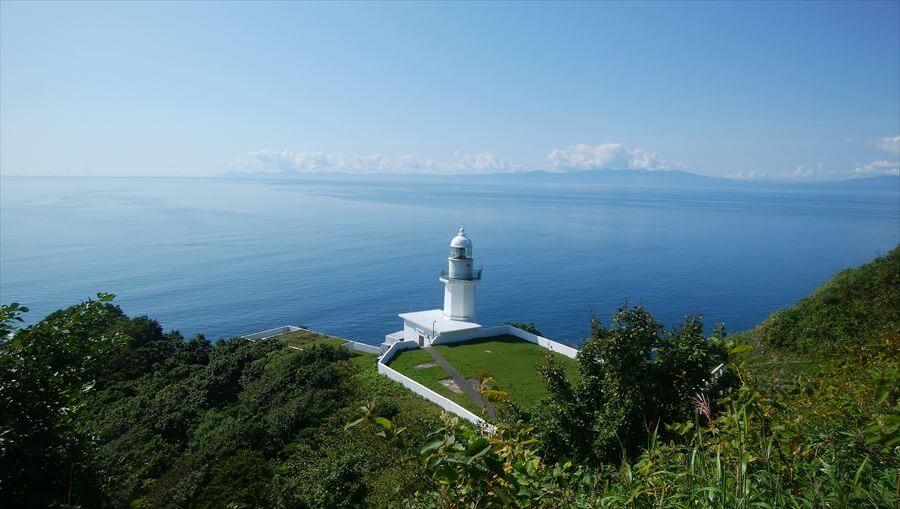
(434, 318)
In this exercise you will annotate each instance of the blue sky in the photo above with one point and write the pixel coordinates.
(761, 90)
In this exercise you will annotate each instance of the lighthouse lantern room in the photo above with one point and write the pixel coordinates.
(455, 322)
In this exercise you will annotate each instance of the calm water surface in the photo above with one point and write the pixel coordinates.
(345, 254)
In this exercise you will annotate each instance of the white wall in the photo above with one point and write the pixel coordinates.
(396, 348)
(445, 403)
(486, 332)
(277, 331)
(353, 346)
(549, 344)
(459, 299)
(409, 332)
(469, 334)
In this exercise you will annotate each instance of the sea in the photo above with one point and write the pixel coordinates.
(344, 254)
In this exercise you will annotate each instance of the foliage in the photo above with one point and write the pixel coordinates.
(634, 377)
(46, 372)
(857, 308)
(746, 454)
(9, 314)
(750, 455)
(99, 409)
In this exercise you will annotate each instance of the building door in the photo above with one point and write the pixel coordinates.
(421, 340)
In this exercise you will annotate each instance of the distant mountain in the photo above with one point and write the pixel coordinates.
(624, 176)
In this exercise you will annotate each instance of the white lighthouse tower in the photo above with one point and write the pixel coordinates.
(456, 321)
(459, 279)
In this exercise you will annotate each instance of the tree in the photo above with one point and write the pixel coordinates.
(634, 376)
(9, 314)
(45, 372)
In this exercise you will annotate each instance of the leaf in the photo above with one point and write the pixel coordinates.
(478, 454)
(432, 444)
(740, 349)
(353, 423)
(384, 423)
(476, 446)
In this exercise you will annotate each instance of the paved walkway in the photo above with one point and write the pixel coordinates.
(469, 387)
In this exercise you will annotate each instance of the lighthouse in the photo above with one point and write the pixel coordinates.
(456, 321)
(460, 278)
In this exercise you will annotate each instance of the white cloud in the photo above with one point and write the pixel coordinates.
(878, 168)
(485, 162)
(606, 156)
(746, 175)
(273, 161)
(802, 171)
(890, 144)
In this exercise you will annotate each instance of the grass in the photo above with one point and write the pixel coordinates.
(512, 362)
(406, 361)
(303, 339)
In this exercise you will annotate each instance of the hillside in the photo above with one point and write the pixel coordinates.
(98, 409)
(857, 308)
(101, 410)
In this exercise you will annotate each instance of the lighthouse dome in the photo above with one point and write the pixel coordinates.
(461, 240)
(461, 246)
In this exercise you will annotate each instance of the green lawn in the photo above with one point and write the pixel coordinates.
(305, 339)
(512, 362)
(406, 361)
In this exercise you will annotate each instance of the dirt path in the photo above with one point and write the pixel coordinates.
(469, 387)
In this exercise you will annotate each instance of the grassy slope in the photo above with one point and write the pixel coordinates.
(847, 325)
(857, 308)
(815, 426)
(829, 353)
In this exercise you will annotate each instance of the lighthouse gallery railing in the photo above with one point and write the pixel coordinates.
(476, 275)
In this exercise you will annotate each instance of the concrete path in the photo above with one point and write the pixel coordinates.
(469, 387)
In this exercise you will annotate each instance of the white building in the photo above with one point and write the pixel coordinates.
(456, 321)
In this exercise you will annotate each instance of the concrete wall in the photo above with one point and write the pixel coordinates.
(410, 333)
(549, 344)
(277, 331)
(396, 348)
(486, 332)
(468, 335)
(353, 346)
(420, 389)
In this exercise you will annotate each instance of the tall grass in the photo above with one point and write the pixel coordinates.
(748, 457)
